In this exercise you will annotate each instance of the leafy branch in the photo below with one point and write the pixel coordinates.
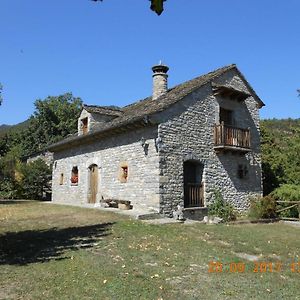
(156, 5)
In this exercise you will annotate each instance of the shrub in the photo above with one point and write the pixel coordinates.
(9, 189)
(263, 208)
(287, 192)
(221, 208)
(35, 179)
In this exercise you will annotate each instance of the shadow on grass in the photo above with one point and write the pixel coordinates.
(9, 202)
(32, 246)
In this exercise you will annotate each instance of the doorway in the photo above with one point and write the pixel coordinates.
(93, 183)
(193, 185)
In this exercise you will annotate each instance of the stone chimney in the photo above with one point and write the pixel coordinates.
(160, 80)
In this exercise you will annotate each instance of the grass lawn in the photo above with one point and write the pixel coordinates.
(61, 252)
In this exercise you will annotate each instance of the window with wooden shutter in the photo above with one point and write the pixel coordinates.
(74, 176)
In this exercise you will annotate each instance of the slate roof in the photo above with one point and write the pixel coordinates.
(105, 110)
(141, 110)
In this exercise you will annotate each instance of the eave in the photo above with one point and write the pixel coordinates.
(99, 134)
(229, 92)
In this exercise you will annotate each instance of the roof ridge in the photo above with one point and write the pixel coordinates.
(218, 72)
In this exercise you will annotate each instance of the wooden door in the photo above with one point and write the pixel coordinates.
(93, 184)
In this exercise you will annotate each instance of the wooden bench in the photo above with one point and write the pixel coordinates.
(115, 203)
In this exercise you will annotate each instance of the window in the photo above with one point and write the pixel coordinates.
(74, 176)
(242, 171)
(61, 179)
(226, 116)
(123, 173)
(84, 124)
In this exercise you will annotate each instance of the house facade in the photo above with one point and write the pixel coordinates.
(177, 147)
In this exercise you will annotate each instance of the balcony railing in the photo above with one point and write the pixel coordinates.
(229, 137)
(193, 195)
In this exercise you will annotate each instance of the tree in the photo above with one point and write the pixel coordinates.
(156, 5)
(54, 118)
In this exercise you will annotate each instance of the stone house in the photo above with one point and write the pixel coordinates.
(176, 147)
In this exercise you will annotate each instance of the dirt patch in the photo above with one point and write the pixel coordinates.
(7, 293)
(249, 257)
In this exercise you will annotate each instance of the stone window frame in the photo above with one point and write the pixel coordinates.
(74, 176)
(243, 171)
(123, 172)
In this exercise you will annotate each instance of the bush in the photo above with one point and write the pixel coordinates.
(9, 188)
(221, 208)
(287, 192)
(35, 179)
(263, 208)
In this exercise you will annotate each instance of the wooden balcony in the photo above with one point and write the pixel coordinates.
(229, 138)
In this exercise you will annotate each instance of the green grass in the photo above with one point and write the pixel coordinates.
(61, 252)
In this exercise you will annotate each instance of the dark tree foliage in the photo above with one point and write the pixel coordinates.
(157, 6)
(4, 145)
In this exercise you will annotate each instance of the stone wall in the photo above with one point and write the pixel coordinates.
(46, 156)
(109, 154)
(187, 134)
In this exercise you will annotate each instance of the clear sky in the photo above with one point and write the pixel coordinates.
(103, 51)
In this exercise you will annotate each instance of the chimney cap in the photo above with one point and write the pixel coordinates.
(160, 68)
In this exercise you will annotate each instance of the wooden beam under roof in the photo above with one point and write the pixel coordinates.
(229, 92)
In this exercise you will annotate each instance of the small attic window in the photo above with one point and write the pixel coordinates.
(125, 172)
(74, 176)
(84, 124)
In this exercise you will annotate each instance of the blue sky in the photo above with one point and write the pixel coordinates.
(103, 52)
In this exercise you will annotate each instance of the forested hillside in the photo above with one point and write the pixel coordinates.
(280, 152)
(10, 129)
